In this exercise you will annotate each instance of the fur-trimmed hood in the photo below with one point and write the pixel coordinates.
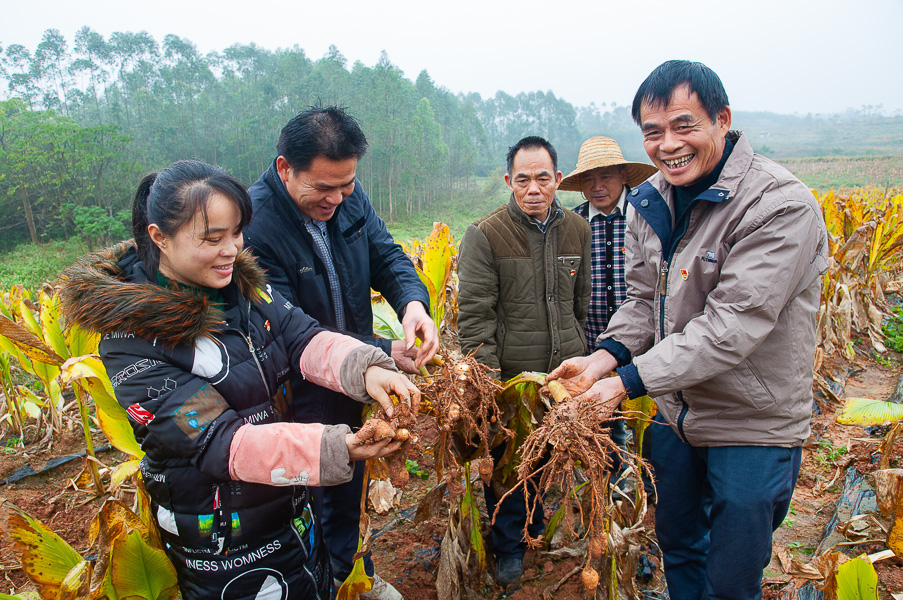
(109, 292)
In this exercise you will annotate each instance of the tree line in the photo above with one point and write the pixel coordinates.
(81, 122)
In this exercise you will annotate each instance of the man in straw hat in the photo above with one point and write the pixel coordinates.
(725, 251)
(604, 178)
(522, 299)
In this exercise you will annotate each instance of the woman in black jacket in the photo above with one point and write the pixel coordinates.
(197, 347)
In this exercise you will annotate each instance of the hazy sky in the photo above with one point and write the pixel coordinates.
(785, 56)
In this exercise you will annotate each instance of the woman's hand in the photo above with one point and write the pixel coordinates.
(383, 382)
(360, 451)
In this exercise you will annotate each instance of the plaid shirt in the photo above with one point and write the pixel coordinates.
(609, 288)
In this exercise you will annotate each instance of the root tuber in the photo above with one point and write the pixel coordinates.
(590, 580)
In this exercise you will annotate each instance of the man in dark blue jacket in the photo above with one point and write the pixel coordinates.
(323, 247)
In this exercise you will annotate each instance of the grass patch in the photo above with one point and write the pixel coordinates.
(31, 265)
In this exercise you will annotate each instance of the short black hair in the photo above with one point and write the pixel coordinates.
(527, 143)
(329, 132)
(656, 90)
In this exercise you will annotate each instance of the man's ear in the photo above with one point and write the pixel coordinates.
(283, 168)
(558, 178)
(508, 181)
(724, 119)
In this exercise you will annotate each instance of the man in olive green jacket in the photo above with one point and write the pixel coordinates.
(524, 285)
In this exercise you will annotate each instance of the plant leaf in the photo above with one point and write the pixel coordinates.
(30, 345)
(120, 433)
(385, 320)
(45, 557)
(867, 412)
(857, 580)
(141, 571)
(90, 373)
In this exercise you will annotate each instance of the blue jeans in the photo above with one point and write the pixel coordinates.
(717, 509)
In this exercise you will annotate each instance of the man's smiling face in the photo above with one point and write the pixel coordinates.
(681, 139)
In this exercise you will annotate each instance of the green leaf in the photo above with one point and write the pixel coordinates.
(141, 571)
(857, 580)
(867, 412)
(385, 321)
(471, 512)
(51, 329)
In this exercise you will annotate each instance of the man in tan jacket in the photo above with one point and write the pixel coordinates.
(725, 250)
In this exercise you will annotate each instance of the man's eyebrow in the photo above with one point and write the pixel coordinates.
(324, 186)
(684, 118)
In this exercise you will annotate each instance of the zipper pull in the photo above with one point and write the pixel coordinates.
(663, 281)
(250, 344)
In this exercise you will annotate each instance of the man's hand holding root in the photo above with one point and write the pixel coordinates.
(417, 323)
(381, 383)
(582, 377)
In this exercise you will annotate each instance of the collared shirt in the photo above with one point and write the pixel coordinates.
(320, 235)
(609, 288)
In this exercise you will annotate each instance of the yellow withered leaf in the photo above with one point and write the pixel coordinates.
(29, 344)
(45, 557)
(120, 433)
(90, 373)
(638, 408)
(857, 580)
(77, 581)
(868, 413)
(51, 326)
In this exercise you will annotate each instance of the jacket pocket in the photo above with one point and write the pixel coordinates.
(739, 392)
(501, 341)
(355, 231)
(567, 267)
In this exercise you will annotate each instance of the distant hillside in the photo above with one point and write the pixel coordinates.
(852, 133)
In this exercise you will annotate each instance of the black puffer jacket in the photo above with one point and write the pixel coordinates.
(184, 371)
(364, 255)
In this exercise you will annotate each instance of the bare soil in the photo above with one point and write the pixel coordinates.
(407, 554)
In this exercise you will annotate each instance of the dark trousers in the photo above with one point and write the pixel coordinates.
(508, 529)
(338, 506)
(717, 509)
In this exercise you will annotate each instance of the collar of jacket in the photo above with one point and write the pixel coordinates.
(648, 198)
(109, 292)
(519, 216)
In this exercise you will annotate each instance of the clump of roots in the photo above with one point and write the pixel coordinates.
(402, 426)
(462, 396)
(573, 435)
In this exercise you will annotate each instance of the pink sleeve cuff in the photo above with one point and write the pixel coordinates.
(277, 454)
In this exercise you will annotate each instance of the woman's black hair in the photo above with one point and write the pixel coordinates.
(172, 197)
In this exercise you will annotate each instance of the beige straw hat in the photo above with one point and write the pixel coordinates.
(602, 151)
